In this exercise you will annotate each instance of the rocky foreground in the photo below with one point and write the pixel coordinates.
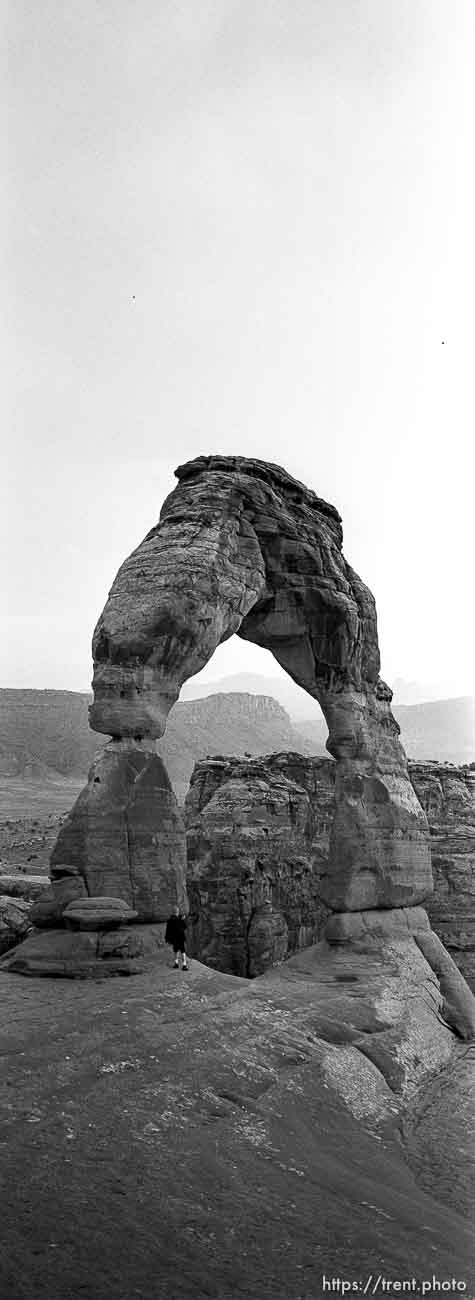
(202, 1135)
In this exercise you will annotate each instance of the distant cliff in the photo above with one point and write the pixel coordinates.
(222, 724)
(47, 732)
(442, 731)
(43, 731)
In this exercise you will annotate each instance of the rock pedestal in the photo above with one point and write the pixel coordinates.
(85, 954)
(120, 858)
(125, 836)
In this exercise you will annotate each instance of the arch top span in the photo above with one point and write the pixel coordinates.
(240, 547)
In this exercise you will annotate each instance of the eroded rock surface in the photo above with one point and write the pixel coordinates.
(124, 837)
(14, 921)
(243, 547)
(119, 863)
(447, 795)
(245, 835)
(257, 845)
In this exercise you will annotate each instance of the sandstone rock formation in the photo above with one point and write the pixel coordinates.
(246, 845)
(242, 547)
(258, 836)
(125, 837)
(234, 724)
(124, 841)
(14, 921)
(98, 913)
(28, 888)
(447, 795)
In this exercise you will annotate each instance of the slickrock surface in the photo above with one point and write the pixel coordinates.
(87, 953)
(448, 796)
(200, 1136)
(242, 547)
(125, 836)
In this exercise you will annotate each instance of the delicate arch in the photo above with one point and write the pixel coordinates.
(241, 547)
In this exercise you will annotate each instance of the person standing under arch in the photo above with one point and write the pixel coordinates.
(175, 934)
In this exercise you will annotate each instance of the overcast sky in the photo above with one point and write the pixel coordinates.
(239, 226)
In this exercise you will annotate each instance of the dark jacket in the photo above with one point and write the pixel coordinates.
(175, 932)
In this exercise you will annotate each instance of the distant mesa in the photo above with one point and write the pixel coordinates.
(46, 734)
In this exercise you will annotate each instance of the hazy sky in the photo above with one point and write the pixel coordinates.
(239, 226)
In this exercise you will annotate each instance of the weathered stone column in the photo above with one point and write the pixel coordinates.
(379, 843)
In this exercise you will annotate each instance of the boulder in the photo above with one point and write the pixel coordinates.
(85, 954)
(98, 914)
(14, 921)
(49, 907)
(24, 886)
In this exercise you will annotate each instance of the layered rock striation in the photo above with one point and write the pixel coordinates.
(119, 863)
(241, 547)
(125, 836)
(447, 795)
(258, 842)
(257, 848)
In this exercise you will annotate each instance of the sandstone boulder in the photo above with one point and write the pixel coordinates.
(83, 954)
(24, 886)
(14, 921)
(98, 914)
(48, 909)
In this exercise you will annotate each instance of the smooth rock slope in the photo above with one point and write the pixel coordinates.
(222, 1139)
